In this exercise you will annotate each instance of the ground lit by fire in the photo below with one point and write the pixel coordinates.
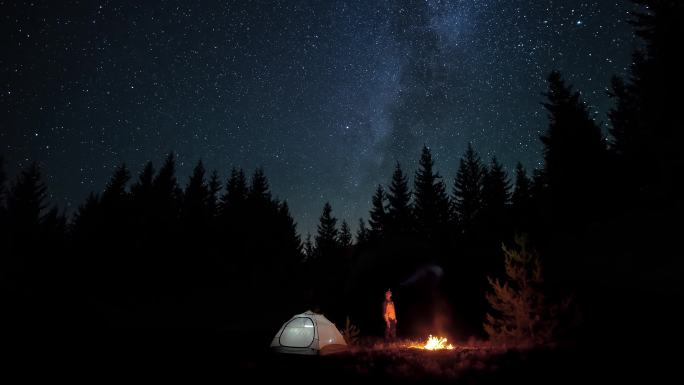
(432, 358)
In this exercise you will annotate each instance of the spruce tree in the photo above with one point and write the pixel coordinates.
(399, 207)
(236, 192)
(431, 203)
(345, 236)
(233, 221)
(575, 182)
(289, 241)
(468, 185)
(26, 203)
(142, 205)
(309, 249)
(521, 199)
(522, 190)
(165, 184)
(362, 233)
(167, 198)
(495, 188)
(142, 189)
(378, 214)
(196, 200)
(114, 213)
(214, 190)
(259, 190)
(327, 235)
(115, 192)
(522, 315)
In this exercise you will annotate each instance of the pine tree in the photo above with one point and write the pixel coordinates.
(345, 236)
(260, 216)
(495, 188)
(468, 185)
(259, 190)
(523, 189)
(26, 203)
(214, 190)
(378, 214)
(626, 129)
(115, 203)
(87, 218)
(165, 184)
(236, 191)
(142, 189)
(362, 233)
(521, 198)
(166, 199)
(291, 241)
(196, 200)
(399, 208)
(113, 213)
(431, 203)
(142, 205)
(115, 193)
(575, 182)
(327, 236)
(234, 223)
(309, 249)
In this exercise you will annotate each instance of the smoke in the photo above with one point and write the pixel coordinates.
(432, 272)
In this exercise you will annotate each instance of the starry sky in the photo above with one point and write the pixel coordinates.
(326, 96)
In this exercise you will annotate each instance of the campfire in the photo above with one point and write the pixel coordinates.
(434, 343)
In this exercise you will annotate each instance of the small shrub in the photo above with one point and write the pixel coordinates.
(350, 333)
(523, 317)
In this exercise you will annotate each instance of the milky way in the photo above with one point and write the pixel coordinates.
(326, 96)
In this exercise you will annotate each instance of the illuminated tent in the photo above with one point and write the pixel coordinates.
(308, 333)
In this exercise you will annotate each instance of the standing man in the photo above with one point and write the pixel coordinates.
(390, 315)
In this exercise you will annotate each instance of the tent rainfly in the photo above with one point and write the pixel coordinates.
(308, 333)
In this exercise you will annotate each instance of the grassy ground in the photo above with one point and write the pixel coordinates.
(202, 356)
(396, 363)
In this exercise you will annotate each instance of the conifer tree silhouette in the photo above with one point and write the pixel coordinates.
(378, 214)
(431, 203)
(345, 236)
(399, 215)
(327, 233)
(467, 193)
(362, 233)
(575, 183)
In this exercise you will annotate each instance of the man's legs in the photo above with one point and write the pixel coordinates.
(393, 329)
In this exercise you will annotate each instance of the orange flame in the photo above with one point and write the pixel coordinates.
(435, 343)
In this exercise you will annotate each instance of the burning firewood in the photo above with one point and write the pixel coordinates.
(434, 343)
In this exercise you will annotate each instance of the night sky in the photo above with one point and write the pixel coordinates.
(326, 96)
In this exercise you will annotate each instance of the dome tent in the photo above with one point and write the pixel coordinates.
(308, 333)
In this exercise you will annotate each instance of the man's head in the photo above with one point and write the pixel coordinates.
(388, 295)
